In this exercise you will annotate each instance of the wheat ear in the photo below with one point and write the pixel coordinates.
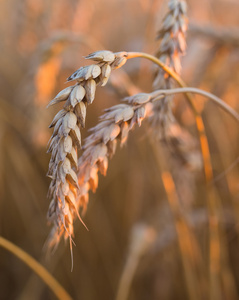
(66, 139)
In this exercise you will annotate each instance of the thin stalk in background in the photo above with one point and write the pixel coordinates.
(143, 236)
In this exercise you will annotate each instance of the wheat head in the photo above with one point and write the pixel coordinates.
(66, 139)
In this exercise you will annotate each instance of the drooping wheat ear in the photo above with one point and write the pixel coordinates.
(172, 46)
(66, 139)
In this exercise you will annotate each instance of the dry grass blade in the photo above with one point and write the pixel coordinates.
(37, 268)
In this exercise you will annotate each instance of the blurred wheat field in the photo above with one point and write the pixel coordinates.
(138, 240)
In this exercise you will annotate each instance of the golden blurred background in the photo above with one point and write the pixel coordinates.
(132, 239)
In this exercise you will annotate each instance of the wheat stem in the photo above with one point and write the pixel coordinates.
(158, 62)
(57, 289)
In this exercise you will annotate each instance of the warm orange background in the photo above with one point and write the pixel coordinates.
(42, 43)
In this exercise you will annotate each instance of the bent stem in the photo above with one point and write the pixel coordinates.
(158, 62)
(54, 285)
